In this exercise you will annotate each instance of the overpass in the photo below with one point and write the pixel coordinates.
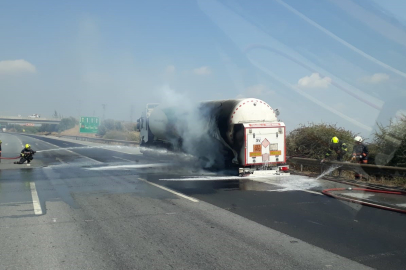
(22, 120)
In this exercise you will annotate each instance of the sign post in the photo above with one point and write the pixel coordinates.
(89, 124)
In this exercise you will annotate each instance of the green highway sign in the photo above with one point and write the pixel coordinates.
(89, 124)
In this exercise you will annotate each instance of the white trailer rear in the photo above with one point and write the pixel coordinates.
(265, 149)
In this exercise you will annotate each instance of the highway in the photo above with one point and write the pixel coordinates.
(79, 207)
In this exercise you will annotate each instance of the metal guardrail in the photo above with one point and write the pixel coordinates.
(368, 169)
(99, 140)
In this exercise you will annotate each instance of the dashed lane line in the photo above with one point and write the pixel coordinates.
(169, 190)
(35, 199)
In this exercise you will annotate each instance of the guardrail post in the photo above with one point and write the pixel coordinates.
(301, 167)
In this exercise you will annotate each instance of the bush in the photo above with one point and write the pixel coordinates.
(31, 130)
(133, 136)
(390, 144)
(67, 123)
(109, 125)
(130, 126)
(48, 128)
(15, 128)
(313, 140)
(115, 135)
(102, 130)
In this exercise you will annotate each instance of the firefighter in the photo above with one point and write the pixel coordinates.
(338, 147)
(359, 154)
(26, 155)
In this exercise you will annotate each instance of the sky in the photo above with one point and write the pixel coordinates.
(341, 62)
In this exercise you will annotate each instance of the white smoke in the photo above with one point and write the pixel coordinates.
(196, 127)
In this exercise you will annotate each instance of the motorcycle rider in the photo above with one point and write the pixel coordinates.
(26, 155)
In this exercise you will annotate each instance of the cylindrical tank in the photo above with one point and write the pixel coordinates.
(220, 119)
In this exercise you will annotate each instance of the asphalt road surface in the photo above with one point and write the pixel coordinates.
(80, 207)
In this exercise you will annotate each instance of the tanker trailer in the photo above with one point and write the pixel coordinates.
(241, 133)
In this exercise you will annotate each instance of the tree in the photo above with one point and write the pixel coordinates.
(67, 123)
(48, 128)
(390, 143)
(109, 125)
(313, 140)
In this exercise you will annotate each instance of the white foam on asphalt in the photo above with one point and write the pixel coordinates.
(205, 178)
(135, 166)
(291, 183)
(294, 183)
(358, 195)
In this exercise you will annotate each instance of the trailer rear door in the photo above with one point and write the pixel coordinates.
(264, 143)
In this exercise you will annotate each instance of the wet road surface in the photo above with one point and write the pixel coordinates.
(92, 208)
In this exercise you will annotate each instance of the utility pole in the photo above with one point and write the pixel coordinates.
(104, 111)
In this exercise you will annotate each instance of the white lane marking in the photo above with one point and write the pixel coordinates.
(35, 199)
(122, 158)
(101, 147)
(402, 204)
(170, 190)
(73, 152)
(135, 166)
(312, 192)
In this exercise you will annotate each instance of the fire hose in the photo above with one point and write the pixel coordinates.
(402, 193)
(9, 157)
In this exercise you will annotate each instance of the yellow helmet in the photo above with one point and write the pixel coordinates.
(334, 140)
(27, 146)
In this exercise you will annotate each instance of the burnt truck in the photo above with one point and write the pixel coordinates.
(238, 133)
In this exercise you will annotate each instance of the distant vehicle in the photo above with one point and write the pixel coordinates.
(34, 116)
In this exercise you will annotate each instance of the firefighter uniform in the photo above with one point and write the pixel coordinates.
(26, 155)
(359, 154)
(339, 148)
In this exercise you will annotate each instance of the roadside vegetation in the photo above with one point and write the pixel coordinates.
(313, 140)
(116, 130)
(387, 147)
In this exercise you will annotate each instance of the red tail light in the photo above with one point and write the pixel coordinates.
(284, 168)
